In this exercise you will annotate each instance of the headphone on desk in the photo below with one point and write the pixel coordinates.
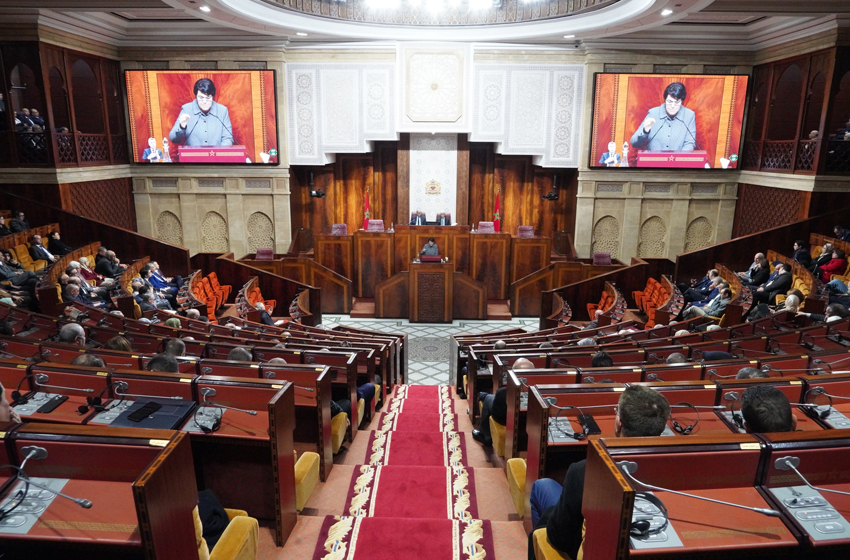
(686, 431)
(17, 397)
(643, 505)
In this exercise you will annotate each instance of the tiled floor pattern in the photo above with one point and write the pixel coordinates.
(428, 353)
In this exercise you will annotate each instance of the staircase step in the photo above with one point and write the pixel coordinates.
(363, 308)
(498, 310)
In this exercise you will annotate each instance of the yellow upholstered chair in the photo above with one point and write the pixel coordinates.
(338, 430)
(306, 477)
(238, 542)
(361, 410)
(544, 551)
(497, 432)
(516, 483)
(22, 255)
(816, 251)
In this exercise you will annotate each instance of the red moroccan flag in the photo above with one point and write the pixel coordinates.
(496, 217)
(367, 214)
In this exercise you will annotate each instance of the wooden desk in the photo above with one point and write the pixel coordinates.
(373, 259)
(490, 257)
(430, 292)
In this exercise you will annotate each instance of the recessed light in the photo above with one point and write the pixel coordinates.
(205, 9)
(666, 12)
(301, 34)
(568, 36)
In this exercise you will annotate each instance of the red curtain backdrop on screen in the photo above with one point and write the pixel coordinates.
(621, 102)
(155, 99)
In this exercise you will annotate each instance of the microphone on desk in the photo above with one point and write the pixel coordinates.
(37, 454)
(210, 392)
(121, 387)
(790, 463)
(41, 379)
(713, 373)
(630, 467)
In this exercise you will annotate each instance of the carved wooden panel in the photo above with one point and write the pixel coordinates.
(110, 201)
(490, 256)
(430, 293)
(392, 297)
(529, 255)
(469, 297)
(761, 208)
(373, 258)
(336, 252)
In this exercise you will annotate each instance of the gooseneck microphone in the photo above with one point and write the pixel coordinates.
(791, 463)
(37, 454)
(210, 392)
(121, 388)
(629, 467)
(42, 380)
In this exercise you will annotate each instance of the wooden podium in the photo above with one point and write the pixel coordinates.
(430, 292)
(695, 159)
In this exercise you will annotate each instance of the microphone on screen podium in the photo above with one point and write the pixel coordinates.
(628, 468)
(37, 454)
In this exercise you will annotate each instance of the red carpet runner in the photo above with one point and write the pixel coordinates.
(415, 497)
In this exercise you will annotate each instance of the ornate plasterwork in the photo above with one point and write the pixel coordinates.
(433, 157)
(653, 232)
(606, 236)
(435, 87)
(698, 234)
(169, 228)
(530, 110)
(214, 233)
(337, 108)
(260, 232)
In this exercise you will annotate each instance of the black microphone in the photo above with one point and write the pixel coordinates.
(688, 130)
(210, 392)
(629, 467)
(230, 130)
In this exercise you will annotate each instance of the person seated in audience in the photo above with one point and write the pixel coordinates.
(118, 343)
(836, 265)
(110, 266)
(167, 294)
(766, 409)
(73, 270)
(443, 219)
(173, 322)
(160, 281)
(36, 118)
(496, 405)
(791, 303)
(88, 360)
(145, 290)
(699, 289)
(163, 363)
(193, 314)
(101, 254)
(675, 358)
(801, 253)
(748, 274)
(841, 233)
(25, 279)
(7, 413)
(718, 284)
(4, 229)
(72, 333)
(751, 373)
(89, 274)
(6, 328)
(417, 218)
(824, 257)
(18, 223)
(175, 347)
(641, 412)
(681, 332)
(781, 283)
(276, 362)
(148, 301)
(265, 318)
(72, 294)
(55, 244)
(714, 308)
(590, 341)
(546, 346)
(240, 354)
(595, 322)
(761, 275)
(832, 310)
(601, 359)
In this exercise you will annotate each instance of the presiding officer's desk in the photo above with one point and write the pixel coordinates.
(141, 485)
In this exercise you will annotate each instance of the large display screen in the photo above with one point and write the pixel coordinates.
(205, 117)
(667, 120)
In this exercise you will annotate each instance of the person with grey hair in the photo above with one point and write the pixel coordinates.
(240, 354)
(193, 314)
(175, 347)
(824, 257)
(586, 342)
(72, 333)
(88, 360)
(792, 304)
(750, 373)
(675, 358)
(747, 275)
(148, 301)
(714, 308)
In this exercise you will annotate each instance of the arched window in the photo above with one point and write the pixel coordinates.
(840, 108)
(88, 105)
(758, 110)
(785, 105)
(814, 106)
(59, 99)
(113, 106)
(25, 91)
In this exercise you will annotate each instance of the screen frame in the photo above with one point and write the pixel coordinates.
(591, 165)
(212, 164)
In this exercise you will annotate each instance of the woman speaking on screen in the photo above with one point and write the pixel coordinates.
(203, 122)
(670, 127)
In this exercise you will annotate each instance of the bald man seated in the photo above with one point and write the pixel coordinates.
(496, 406)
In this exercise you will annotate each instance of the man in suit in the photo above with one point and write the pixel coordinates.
(443, 219)
(714, 308)
(641, 412)
(760, 276)
(36, 118)
(418, 218)
(110, 266)
(148, 302)
(18, 223)
(823, 258)
(748, 275)
(669, 127)
(151, 153)
(781, 283)
(698, 290)
(801, 254)
(20, 278)
(610, 158)
(40, 252)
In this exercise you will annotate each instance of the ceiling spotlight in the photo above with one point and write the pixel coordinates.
(666, 12)
(569, 36)
(301, 34)
(205, 9)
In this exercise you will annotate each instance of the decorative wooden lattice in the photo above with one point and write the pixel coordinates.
(752, 155)
(94, 148)
(838, 157)
(32, 147)
(777, 155)
(119, 148)
(65, 143)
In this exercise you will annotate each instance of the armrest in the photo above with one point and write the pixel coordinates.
(231, 513)
(306, 478)
(239, 540)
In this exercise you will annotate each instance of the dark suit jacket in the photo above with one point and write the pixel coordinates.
(38, 252)
(803, 257)
(760, 277)
(107, 269)
(822, 259)
(58, 247)
(779, 285)
(417, 219)
(17, 225)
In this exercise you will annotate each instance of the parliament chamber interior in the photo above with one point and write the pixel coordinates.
(251, 249)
